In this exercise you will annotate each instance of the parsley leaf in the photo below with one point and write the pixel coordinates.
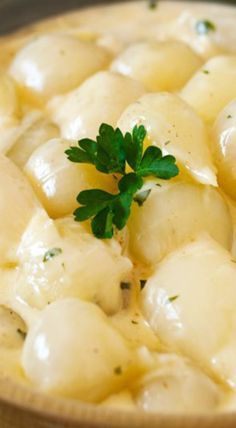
(154, 164)
(102, 224)
(110, 150)
(85, 153)
(121, 209)
(130, 183)
(107, 153)
(134, 146)
(93, 201)
(111, 153)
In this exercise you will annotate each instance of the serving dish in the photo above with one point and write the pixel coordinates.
(17, 13)
(22, 407)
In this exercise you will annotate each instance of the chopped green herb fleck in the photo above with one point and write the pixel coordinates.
(142, 283)
(173, 298)
(204, 27)
(53, 252)
(167, 142)
(125, 285)
(118, 370)
(21, 333)
(153, 4)
(229, 116)
(111, 153)
(206, 71)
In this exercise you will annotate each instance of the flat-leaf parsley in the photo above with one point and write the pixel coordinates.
(111, 153)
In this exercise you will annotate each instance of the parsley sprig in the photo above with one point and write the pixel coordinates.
(112, 153)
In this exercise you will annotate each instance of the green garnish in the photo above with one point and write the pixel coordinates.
(118, 370)
(206, 71)
(173, 298)
(204, 27)
(53, 252)
(22, 333)
(152, 4)
(111, 153)
(229, 116)
(125, 285)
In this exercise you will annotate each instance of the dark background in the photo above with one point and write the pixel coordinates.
(16, 13)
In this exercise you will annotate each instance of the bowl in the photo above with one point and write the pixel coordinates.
(24, 407)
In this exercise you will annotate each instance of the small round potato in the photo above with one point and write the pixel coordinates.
(101, 99)
(224, 148)
(190, 304)
(212, 87)
(176, 385)
(163, 66)
(175, 127)
(175, 214)
(62, 259)
(17, 206)
(55, 63)
(88, 359)
(58, 181)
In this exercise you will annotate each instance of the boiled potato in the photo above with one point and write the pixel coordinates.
(152, 64)
(102, 98)
(38, 133)
(190, 303)
(87, 360)
(57, 181)
(177, 386)
(173, 214)
(224, 148)
(17, 206)
(212, 87)
(62, 259)
(56, 63)
(173, 126)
